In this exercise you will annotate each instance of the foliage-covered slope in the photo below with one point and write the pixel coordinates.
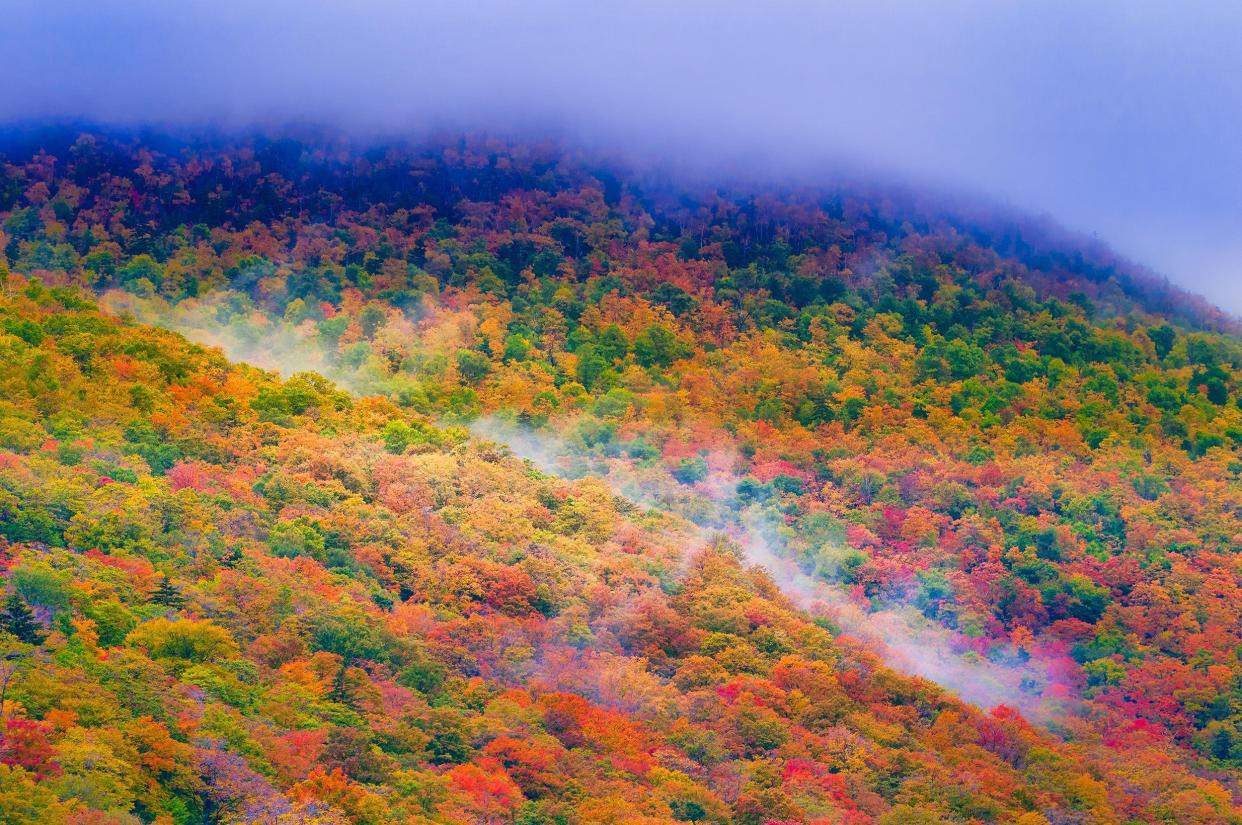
(258, 596)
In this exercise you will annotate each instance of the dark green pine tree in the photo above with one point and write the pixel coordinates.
(231, 557)
(168, 595)
(1222, 743)
(17, 619)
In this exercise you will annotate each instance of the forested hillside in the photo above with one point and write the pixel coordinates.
(783, 440)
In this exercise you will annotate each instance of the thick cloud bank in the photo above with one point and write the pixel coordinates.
(1119, 118)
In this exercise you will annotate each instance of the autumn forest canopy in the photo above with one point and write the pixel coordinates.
(482, 480)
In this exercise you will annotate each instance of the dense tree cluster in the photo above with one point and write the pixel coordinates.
(233, 598)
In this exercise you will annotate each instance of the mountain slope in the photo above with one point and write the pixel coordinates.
(998, 450)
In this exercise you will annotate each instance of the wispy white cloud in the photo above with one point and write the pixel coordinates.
(904, 638)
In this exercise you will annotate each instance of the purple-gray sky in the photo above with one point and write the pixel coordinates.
(1122, 119)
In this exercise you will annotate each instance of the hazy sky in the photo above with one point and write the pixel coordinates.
(1122, 119)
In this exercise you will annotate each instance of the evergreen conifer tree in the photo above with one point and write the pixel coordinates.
(168, 595)
(17, 619)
